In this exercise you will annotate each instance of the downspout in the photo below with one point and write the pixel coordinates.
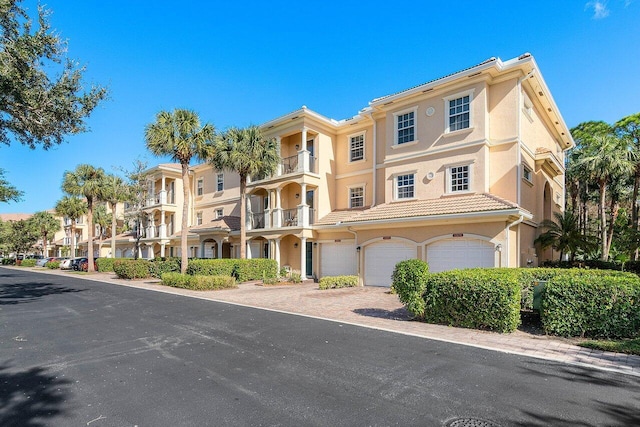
(506, 230)
(375, 157)
(519, 132)
(355, 236)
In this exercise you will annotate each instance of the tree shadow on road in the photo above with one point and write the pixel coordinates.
(398, 314)
(27, 292)
(32, 398)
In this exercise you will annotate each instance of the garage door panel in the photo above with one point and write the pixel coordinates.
(381, 259)
(450, 254)
(338, 259)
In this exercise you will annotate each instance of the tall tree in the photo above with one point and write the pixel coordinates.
(42, 98)
(180, 135)
(47, 225)
(102, 221)
(72, 208)
(7, 191)
(86, 181)
(21, 235)
(629, 127)
(605, 158)
(114, 191)
(248, 153)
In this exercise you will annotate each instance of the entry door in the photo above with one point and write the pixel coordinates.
(309, 260)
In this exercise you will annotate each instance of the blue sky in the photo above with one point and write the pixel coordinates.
(240, 63)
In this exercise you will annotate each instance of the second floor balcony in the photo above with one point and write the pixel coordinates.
(301, 216)
(161, 198)
(303, 162)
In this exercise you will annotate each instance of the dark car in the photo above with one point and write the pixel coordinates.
(75, 263)
(84, 264)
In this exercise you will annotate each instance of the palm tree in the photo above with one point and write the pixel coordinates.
(248, 153)
(86, 181)
(563, 234)
(46, 224)
(103, 220)
(114, 191)
(606, 158)
(72, 208)
(179, 134)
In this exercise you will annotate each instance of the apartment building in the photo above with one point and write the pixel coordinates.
(458, 171)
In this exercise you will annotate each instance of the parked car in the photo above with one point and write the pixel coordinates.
(42, 261)
(84, 264)
(66, 264)
(75, 264)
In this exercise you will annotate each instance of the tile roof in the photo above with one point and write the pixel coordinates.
(15, 216)
(224, 223)
(419, 208)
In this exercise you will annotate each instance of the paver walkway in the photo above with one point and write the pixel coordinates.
(377, 308)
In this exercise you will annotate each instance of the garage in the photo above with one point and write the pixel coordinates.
(449, 254)
(381, 258)
(338, 259)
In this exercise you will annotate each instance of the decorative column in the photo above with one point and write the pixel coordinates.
(248, 216)
(219, 247)
(162, 231)
(162, 249)
(303, 208)
(276, 251)
(277, 211)
(279, 168)
(303, 257)
(163, 192)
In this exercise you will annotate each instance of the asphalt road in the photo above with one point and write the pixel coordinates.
(77, 353)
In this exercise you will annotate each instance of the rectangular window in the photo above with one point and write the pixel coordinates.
(405, 127)
(526, 173)
(219, 213)
(199, 218)
(356, 148)
(459, 176)
(200, 187)
(356, 197)
(405, 186)
(459, 113)
(220, 182)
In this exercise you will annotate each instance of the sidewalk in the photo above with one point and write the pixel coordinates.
(376, 308)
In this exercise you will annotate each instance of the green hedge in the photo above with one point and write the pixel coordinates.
(159, 266)
(242, 269)
(8, 261)
(28, 263)
(198, 282)
(592, 305)
(52, 264)
(474, 298)
(335, 282)
(105, 264)
(132, 269)
(408, 280)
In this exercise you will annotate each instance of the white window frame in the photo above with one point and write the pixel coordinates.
(220, 182)
(447, 115)
(199, 218)
(364, 142)
(413, 110)
(396, 188)
(450, 168)
(219, 213)
(350, 198)
(200, 187)
(525, 169)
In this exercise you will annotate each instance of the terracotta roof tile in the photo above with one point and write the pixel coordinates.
(225, 223)
(15, 216)
(419, 208)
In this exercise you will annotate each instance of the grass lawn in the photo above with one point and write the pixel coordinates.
(619, 346)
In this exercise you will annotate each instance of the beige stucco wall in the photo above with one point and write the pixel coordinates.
(503, 111)
(503, 171)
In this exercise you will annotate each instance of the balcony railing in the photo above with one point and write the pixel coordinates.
(290, 218)
(312, 215)
(161, 197)
(289, 165)
(257, 220)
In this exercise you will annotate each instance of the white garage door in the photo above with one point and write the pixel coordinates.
(338, 259)
(449, 254)
(381, 258)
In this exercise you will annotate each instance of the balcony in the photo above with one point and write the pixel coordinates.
(156, 231)
(257, 220)
(161, 198)
(289, 218)
(303, 162)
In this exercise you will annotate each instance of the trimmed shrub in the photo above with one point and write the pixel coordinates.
(295, 276)
(28, 263)
(211, 267)
(255, 269)
(242, 269)
(198, 282)
(474, 298)
(592, 305)
(105, 264)
(335, 282)
(159, 266)
(408, 281)
(131, 269)
(52, 264)
(8, 261)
